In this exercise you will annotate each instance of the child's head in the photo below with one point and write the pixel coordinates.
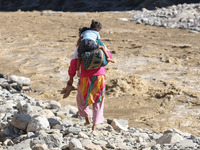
(95, 26)
(82, 29)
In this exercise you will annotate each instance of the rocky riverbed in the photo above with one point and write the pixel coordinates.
(154, 85)
(29, 123)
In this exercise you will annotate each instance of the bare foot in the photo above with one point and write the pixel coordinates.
(94, 127)
(87, 121)
(110, 60)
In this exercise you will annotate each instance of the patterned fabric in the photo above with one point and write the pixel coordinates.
(92, 88)
(94, 59)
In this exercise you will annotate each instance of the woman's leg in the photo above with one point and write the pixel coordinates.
(83, 109)
(98, 114)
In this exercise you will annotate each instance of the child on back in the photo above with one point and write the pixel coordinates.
(87, 41)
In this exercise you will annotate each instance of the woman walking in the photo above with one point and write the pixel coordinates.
(91, 89)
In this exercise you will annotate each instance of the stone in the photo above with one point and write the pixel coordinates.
(73, 130)
(3, 81)
(8, 142)
(40, 147)
(42, 104)
(20, 138)
(85, 142)
(20, 80)
(100, 142)
(120, 124)
(145, 136)
(53, 122)
(188, 144)
(169, 138)
(7, 108)
(24, 145)
(30, 135)
(61, 114)
(75, 144)
(53, 139)
(93, 147)
(59, 127)
(82, 135)
(21, 121)
(27, 108)
(72, 110)
(46, 113)
(67, 122)
(38, 123)
(54, 104)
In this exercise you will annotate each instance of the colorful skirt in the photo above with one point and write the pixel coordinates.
(92, 88)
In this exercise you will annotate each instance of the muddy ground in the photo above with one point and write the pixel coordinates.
(155, 83)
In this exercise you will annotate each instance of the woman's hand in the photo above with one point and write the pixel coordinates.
(70, 81)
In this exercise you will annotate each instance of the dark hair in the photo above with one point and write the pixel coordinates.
(95, 25)
(82, 29)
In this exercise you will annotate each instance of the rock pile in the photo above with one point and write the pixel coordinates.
(29, 123)
(184, 16)
(15, 84)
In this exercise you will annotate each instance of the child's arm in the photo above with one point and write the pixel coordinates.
(80, 38)
(104, 50)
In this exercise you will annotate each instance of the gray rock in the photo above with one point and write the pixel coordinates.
(20, 80)
(6, 117)
(21, 121)
(53, 122)
(53, 139)
(85, 142)
(25, 145)
(37, 108)
(61, 114)
(30, 135)
(100, 142)
(46, 113)
(188, 144)
(169, 138)
(67, 122)
(72, 110)
(185, 17)
(42, 104)
(8, 142)
(2, 80)
(7, 107)
(119, 124)
(82, 135)
(73, 130)
(20, 105)
(27, 108)
(75, 144)
(40, 147)
(93, 147)
(2, 115)
(54, 104)
(20, 138)
(38, 123)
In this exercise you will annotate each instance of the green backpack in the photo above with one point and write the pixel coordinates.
(94, 59)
